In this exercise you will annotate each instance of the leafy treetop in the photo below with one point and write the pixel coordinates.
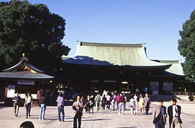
(33, 30)
(187, 47)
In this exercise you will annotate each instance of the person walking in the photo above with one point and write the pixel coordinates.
(174, 112)
(147, 102)
(136, 106)
(141, 104)
(60, 104)
(121, 103)
(28, 104)
(159, 115)
(42, 104)
(16, 103)
(97, 101)
(117, 100)
(103, 102)
(78, 107)
(133, 106)
(91, 103)
(87, 105)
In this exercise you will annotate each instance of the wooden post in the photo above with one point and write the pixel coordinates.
(5, 92)
(185, 91)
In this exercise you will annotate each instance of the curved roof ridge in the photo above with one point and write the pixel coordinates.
(84, 43)
(23, 62)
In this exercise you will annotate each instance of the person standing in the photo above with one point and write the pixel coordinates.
(113, 101)
(16, 103)
(159, 115)
(121, 103)
(60, 104)
(147, 102)
(78, 107)
(28, 104)
(117, 100)
(125, 101)
(108, 98)
(174, 112)
(42, 104)
(141, 104)
(97, 101)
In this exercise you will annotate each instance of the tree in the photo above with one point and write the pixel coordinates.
(187, 47)
(33, 30)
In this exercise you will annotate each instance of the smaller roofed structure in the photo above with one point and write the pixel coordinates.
(24, 70)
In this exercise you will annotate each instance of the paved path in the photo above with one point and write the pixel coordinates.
(101, 119)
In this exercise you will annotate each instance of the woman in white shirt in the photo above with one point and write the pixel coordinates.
(28, 104)
(132, 105)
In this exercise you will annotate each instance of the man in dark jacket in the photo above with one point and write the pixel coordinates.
(174, 112)
(78, 107)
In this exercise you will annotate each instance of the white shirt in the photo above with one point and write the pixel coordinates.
(133, 102)
(108, 97)
(135, 97)
(28, 99)
(174, 112)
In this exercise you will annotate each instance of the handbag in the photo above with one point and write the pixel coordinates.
(157, 118)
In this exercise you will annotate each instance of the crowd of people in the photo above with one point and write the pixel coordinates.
(106, 101)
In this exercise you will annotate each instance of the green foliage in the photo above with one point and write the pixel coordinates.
(33, 30)
(187, 47)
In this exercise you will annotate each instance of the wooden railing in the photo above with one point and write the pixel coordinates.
(184, 93)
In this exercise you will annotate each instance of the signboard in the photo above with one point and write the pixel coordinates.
(26, 82)
(22, 96)
(11, 91)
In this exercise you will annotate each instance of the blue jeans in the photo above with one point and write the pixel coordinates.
(61, 110)
(28, 108)
(121, 107)
(42, 111)
(160, 124)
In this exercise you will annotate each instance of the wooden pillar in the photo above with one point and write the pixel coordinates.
(5, 91)
(38, 94)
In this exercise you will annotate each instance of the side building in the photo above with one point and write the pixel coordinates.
(22, 78)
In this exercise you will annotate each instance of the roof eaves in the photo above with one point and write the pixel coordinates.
(13, 67)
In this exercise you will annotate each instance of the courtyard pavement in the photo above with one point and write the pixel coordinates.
(101, 119)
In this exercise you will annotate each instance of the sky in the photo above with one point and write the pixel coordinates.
(154, 22)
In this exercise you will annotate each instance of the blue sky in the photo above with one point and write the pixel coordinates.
(154, 22)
